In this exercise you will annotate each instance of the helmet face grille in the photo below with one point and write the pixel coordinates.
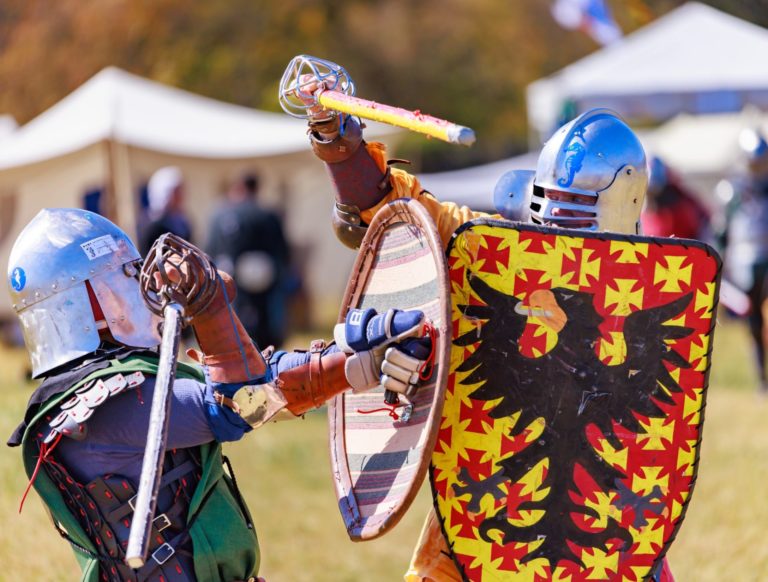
(563, 209)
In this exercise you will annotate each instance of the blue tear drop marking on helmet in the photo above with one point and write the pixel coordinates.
(574, 156)
(18, 279)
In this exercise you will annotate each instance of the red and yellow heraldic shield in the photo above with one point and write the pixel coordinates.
(571, 427)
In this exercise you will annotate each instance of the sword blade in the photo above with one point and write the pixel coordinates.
(413, 120)
(157, 436)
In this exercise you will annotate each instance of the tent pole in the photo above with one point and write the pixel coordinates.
(122, 203)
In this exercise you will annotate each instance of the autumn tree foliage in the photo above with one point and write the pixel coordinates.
(468, 61)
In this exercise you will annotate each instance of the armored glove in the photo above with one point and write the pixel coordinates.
(387, 349)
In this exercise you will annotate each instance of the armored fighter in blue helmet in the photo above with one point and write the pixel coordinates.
(591, 175)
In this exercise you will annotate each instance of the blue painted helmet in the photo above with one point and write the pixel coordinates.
(597, 165)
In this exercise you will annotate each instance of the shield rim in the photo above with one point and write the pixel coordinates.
(603, 235)
(409, 211)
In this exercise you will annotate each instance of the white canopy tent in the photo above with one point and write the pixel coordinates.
(474, 186)
(7, 126)
(116, 105)
(115, 130)
(694, 59)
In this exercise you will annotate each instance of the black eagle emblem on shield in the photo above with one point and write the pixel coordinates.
(590, 393)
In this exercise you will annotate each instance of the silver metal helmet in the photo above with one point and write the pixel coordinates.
(598, 158)
(58, 256)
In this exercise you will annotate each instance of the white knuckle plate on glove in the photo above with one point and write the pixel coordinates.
(416, 330)
(401, 374)
(400, 369)
(394, 385)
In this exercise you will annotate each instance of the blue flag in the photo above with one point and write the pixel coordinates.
(590, 16)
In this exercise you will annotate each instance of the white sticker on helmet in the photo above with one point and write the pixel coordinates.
(98, 247)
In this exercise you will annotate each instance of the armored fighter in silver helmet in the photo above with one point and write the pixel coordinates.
(74, 282)
(591, 175)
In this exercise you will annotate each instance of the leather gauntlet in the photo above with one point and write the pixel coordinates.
(310, 385)
(225, 347)
(342, 146)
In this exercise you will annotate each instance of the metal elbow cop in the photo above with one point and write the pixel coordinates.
(598, 157)
(56, 258)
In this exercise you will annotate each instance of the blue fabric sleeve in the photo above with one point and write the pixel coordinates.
(283, 361)
(225, 423)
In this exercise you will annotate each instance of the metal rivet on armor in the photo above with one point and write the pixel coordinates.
(629, 171)
(37, 293)
(54, 286)
(87, 328)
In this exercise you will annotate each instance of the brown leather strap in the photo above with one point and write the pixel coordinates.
(311, 384)
(316, 380)
(226, 401)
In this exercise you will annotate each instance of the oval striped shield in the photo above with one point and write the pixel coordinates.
(381, 455)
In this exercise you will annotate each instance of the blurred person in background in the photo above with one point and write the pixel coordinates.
(74, 282)
(247, 239)
(744, 239)
(671, 209)
(165, 211)
(607, 195)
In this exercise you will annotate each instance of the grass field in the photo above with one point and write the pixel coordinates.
(284, 473)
